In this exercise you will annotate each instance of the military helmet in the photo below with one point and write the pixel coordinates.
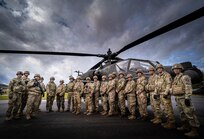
(37, 75)
(104, 77)
(88, 78)
(42, 78)
(129, 75)
(159, 66)
(79, 77)
(62, 81)
(114, 73)
(71, 77)
(121, 73)
(52, 78)
(139, 71)
(95, 77)
(177, 66)
(19, 73)
(110, 75)
(27, 72)
(151, 68)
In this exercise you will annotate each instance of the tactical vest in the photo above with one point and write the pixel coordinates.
(178, 87)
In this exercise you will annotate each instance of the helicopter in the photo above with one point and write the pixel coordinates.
(112, 63)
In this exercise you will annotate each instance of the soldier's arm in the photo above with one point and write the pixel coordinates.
(11, 84)
(188, 86)
(168, 80)
(30, 84)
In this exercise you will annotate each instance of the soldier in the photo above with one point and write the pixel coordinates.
(141, 94)
(70, 91)
(163, 84)
(78, 91)
(34, 91)
(25, 93)
(16, 88)
(104, 95)
(120, 91)
(116, 107)
(89, 91)
(96, 94)
(40, 96)
(131, 98)
(154, 101)
(51, 92)
(60, 95)
(111, 94)
(182, 90)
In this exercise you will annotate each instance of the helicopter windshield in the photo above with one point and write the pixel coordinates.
(122, 66)
(134, 65)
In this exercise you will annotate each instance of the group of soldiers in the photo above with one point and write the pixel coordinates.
(113, 92)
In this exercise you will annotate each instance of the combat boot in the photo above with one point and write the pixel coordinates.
(184, 128)
(89, 113)
(169, 126)
(157, 121)
(154, 119)
(105, 113)
(78, 112)
(8, 118)
(164, 124)
(110, 114)
(193, 133)
(85, 112)
(131, 117)
(28, 117)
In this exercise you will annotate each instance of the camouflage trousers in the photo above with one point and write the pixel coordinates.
(24, 99)
(104, 99)
(88, 103)
(70, 101)
(187, 114)
(32, 104)
(131, 98)
(142, 103)
(77, 102)
(111, 100)
(167, 108)
(39, 100)
(121, 101)
(14, 105)
(155, 105)
(60, 102)
(49, 102)
(96, 101)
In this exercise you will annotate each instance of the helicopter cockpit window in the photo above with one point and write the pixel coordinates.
(122, 66)
(134, 65)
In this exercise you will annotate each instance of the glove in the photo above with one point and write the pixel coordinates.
(10, 96)
(156, 96)
(35, 84)
(165, 96)
(187, 102)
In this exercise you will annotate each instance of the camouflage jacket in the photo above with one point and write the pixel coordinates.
(61, 90)
(121, 85)
(150, 87)
(25, 79)
(89, 88)
(96, 86)
(51, 89)
(104, 87)
(79, 87)
(70, 87)
(130, 87)
(34, 90)
(163, 83)
(141, 83)
(111, 86)
(17, 85)
(182, 85)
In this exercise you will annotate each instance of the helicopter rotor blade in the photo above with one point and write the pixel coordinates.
(98, 64)
(182, 21)
(50, 53)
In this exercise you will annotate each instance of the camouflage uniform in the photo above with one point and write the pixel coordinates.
(24, 96)
(16, 88)
(104, 95)
(78, 90)
(163, 84)
(131, 98)
(60, 96)
(96, 94)
(51, 92)
(182, 90)
(116, 104)
(111, 94)
(121, 95)
(88, 91)
(70, 98)
(141, 96)
(40, 96)
(154, 101)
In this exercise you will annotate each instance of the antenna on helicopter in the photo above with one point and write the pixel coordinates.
(78, 72)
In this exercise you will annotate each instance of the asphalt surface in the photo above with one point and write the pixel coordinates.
(67, 125)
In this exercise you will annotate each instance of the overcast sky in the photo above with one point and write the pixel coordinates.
(93, 26)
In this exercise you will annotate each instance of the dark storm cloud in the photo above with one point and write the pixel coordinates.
(94, 26)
